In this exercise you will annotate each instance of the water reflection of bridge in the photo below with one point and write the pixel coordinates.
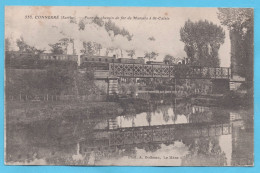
(188, 122)
(124, 140)
(130, 141)
(159, 134)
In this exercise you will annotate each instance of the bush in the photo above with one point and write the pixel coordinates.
(125, 89)
(234, 99)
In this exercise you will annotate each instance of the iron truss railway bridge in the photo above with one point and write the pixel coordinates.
(168, 71)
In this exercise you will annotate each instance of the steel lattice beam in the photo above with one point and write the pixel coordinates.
(168, 71)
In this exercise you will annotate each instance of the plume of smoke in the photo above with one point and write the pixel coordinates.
(40, 34)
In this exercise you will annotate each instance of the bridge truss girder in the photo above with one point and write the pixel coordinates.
(168, 71)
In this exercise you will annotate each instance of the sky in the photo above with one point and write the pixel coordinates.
(41, 32)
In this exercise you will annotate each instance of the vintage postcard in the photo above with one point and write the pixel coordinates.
(137, 86)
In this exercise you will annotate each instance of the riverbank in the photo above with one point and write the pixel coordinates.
(230, 99)
(29, 112)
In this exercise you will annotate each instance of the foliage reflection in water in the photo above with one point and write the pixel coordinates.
(181, 134)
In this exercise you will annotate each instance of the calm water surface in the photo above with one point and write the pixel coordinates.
(177, 134)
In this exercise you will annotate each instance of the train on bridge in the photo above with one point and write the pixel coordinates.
(102, 62)
(29, 60)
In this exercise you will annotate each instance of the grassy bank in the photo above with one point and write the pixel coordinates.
(231, 99)
(27, 112)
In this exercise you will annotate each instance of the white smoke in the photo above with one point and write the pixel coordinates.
(40, 33)
(43, 33)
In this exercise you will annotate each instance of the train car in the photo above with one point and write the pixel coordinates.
(30, 60)
(97, 62)
(59, 60)
(58, 57)
(102, 62)
(101, 59)
(130, 60)
(155, 63)
(20, 60)
(19, 54)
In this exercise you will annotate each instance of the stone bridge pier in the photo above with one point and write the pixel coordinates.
(106, 82)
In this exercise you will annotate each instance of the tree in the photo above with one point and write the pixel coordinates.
(24, 47)
(7, 44)
(61, 47)
(65, 43)
(91, 48)
(166, 116)
(149, 117)
(56, 48)
(97, 48)
(150, 55)
(202, 41)
(237, 18)
(130, 53)
(109, 49)
(168, 59)
(240, 22)
(58, 79)
(85, 83)
(88, 48)
(204, 150)
(21, 44)
(73, 46)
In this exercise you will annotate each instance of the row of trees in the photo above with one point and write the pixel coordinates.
(91, 48)
(60, 47)
(22, 46)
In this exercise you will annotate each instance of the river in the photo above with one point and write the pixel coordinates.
(177, 134)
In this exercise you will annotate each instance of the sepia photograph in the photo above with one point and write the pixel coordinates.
(129, 86)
